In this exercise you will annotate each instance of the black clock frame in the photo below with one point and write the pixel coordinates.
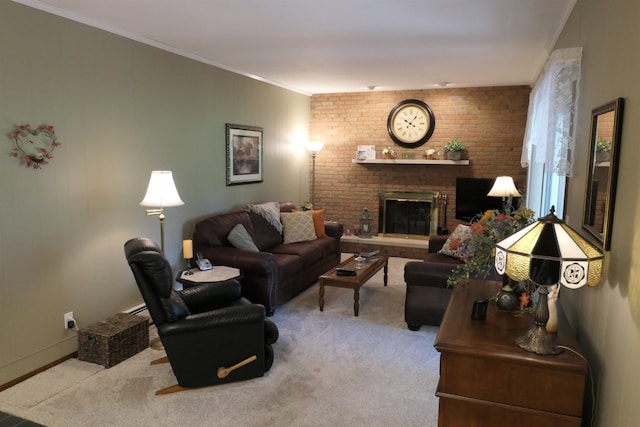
(425, 138)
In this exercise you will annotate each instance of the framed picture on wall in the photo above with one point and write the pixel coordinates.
(244, 154)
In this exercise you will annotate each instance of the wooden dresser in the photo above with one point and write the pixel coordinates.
(487, 380)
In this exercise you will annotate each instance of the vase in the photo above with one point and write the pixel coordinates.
(454, 155)
(602, 156)
(506, 300)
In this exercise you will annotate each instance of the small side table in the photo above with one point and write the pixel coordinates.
(218, 273)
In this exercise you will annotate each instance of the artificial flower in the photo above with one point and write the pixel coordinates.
(480, 250)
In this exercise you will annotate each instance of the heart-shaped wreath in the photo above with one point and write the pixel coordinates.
(34, 146)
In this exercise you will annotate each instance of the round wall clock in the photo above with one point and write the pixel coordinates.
(411, 123)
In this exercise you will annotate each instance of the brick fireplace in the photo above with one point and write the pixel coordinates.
(490, 121)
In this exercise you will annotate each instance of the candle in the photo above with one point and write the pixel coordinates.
(187, 249)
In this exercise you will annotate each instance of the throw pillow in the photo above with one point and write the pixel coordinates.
(239, 237)
(297, 226)
(318, 222)
(269, 211)
(456, 242)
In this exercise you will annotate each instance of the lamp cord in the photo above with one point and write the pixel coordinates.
(593, 392)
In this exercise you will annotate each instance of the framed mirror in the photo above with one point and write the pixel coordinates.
(602, 173)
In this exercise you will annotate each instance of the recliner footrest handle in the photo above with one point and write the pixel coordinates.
(223, 372)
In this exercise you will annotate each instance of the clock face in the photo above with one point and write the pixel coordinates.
(411, 123)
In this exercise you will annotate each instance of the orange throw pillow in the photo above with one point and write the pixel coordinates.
(318, 222)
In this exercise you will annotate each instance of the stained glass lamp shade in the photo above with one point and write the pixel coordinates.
(548, 252)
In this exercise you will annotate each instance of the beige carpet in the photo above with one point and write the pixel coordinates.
(330, 369)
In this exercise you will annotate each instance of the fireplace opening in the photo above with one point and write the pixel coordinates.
(409, 214)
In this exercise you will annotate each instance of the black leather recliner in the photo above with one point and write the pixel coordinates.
(210, 333)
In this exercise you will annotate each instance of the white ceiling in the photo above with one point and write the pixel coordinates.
(324, 46)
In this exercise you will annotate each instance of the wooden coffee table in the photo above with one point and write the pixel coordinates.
(353, 282)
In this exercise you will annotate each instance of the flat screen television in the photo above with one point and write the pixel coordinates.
(471, 198)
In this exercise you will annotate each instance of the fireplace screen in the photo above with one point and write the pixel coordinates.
(408, 214)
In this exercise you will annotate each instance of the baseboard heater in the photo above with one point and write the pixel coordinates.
(140, 309)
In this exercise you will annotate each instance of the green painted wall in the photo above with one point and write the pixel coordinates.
(607, 317)
(120, 109)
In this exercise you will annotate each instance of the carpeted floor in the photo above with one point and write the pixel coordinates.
(331, 368)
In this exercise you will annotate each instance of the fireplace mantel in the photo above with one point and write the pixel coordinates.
(412, 162)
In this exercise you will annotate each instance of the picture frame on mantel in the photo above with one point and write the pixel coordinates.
(244, 154)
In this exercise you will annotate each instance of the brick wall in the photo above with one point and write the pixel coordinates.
(490, 121)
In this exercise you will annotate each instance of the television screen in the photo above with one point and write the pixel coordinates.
(471, 198)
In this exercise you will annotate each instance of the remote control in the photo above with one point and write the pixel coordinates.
(345, 272)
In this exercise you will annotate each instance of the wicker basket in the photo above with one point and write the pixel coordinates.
(113, 340)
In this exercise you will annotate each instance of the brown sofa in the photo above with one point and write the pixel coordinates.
(276, 273)
(427, 294)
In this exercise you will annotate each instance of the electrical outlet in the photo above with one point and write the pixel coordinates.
(68, 317)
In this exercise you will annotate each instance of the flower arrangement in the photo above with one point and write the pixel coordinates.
(454, 145)
(480, 250)
(602, 145)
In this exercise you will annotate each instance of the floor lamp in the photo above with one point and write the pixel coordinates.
(314, 147)
(161, 193)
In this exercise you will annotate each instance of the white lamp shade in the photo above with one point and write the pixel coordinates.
(161, 192)
(314, 146)
(504, 187)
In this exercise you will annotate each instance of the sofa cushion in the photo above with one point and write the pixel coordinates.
(239, 237)
(214, 231)
(287, 207)
(297, 227)
(264, 235)
(269, 211)
(432, 272)
(310, 252)
(456, 242)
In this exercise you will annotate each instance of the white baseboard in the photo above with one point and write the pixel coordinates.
(140, 309)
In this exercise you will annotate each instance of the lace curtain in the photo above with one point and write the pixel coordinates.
(550, 131)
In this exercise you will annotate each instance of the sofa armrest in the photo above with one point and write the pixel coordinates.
(333, 229)
(430, 273)
(436, 243)
(252, 263)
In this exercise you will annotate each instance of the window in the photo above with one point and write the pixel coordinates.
(550, 133)
(545, 189)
